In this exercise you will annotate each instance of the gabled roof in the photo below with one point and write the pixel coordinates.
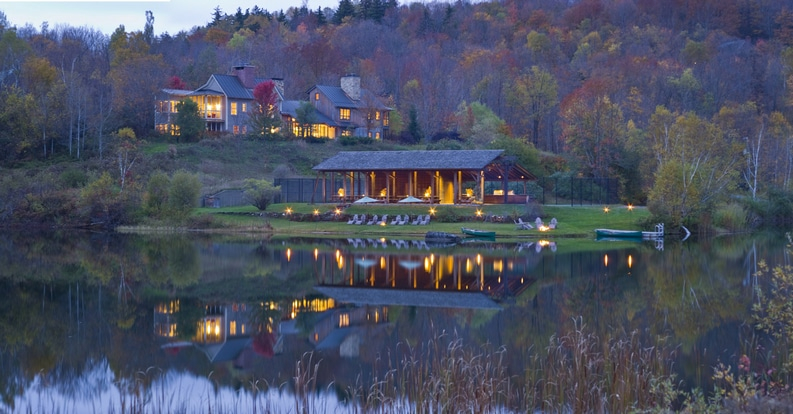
(290, 108)
(409, 160)
(339, 98)
(232, 87)
(399, 297)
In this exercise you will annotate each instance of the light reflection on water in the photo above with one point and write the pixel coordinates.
(212, 317)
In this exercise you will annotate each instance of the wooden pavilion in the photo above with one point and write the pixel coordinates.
(430, 176)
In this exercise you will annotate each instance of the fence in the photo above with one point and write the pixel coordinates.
(546, 190)
(578, 191)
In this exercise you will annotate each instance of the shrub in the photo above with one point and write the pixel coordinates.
(183, 194)
(74, 178)
(260, 193)
(731, 216)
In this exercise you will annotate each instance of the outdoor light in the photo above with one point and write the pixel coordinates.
(630, 207)
(605, 209)
(289, 210)
(337, 211)
(478, 213)
(432, 211)
(316, 212)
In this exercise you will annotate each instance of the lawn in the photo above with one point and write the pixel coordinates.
(321, 219)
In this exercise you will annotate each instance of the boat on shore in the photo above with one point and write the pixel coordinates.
(478, 233)
(631, 234)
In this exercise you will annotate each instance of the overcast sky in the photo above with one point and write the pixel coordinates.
(170, 16)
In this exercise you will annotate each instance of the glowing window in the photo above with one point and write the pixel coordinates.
(316, 96)
(244, 107)
(234, 108)
(236, 129)
(344, 114)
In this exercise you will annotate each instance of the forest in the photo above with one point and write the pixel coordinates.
(686, 103)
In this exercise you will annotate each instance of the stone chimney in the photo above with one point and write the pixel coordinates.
(351, 85)
(246, 74)
(279, 84)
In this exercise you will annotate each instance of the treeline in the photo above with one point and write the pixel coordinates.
(685, 102)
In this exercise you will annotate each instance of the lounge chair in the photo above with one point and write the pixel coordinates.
(552, 224)
(522, 225)
(426, 220)
(361, 219)
(372, 221)
(418, 220)
(383, 220)
(397, 220)
(538, 222)
(353, 220)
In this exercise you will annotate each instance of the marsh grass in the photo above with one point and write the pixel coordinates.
(578, 372)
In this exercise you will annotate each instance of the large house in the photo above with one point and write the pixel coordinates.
(344, 110)
(225, 102)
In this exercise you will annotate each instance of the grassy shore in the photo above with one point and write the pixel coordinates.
(324, 219)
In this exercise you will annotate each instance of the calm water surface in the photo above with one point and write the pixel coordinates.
(88, 319)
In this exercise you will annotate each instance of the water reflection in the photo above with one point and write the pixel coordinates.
(241, 310)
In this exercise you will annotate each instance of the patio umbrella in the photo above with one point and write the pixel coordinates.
(410, 199)
(409, 264)
(364, 200)
(365, 262)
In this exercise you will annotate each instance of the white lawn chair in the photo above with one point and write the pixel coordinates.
(383, 220)
(426, 220)
(418, 220)
(522, 225)
(361, 219)
(538, 222)
(353, 220)
(552, 224)
(397, 220)
(372, 221)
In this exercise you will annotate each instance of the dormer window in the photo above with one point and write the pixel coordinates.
(316, 96)
(344, 114)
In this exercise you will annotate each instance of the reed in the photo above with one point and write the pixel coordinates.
(577, 372)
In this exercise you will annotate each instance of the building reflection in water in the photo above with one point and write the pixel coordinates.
(357, 288)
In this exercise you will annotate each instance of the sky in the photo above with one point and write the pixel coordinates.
(171, 16)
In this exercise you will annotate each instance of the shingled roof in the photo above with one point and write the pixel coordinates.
(409, 160)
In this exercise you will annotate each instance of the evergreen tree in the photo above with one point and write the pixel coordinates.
(321, 19)
(414, 129)
(188, 120)
(346, 9)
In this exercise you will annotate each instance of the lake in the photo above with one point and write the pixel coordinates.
(90, 322)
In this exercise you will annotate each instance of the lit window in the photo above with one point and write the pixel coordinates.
(344, 114)
(244, 107)
(316, 96)
(236, 129)
(385, 119)
(377, 135)
(234, 108)
(233, 328)
(377, 115)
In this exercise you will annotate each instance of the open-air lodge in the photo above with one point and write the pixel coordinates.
(442, 177)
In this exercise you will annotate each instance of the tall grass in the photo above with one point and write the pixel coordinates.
(577, 372)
